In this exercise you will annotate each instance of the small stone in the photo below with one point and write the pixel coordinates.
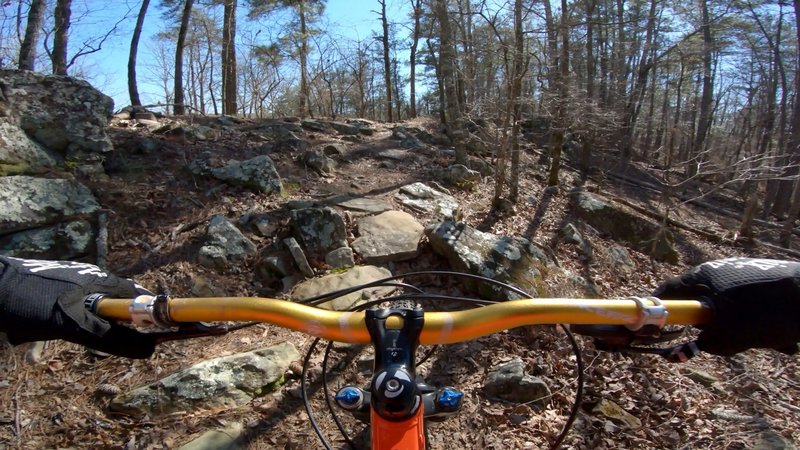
(341, 257)
(299, 256)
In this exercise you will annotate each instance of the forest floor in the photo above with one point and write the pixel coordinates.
(156, 225)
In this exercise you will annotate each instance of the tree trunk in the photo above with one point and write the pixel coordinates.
(590, 69)
(447, 64)
(387, 66)
(62, 15)
(562, 101)
(646, 63)
(706, 100)
(229, 70)
(303, 105)
(133, 88)
(412, 59)
(179, 107)
(27, 50)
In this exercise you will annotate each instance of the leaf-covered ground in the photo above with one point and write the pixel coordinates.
(157, 218)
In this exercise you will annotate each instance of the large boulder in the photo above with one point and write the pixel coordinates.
(623, 225)
(390, 236)
(512, 260)
(224, 244)
(258, 173)
(63, 114)
(318, 230)
(28, 202)
(228, 381)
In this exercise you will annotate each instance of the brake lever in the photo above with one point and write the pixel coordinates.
(196, 330)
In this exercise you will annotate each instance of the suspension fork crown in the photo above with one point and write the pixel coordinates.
(395, 333)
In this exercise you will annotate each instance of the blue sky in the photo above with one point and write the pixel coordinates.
(108, 68)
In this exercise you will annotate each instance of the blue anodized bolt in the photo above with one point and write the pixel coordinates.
(449, 399)
(349, 397)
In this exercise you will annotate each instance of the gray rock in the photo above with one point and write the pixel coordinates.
(334, 148)
(227, 381)
(481, 166)
(423, 198)
(258, 173)
(19, 154)
(224, 244)
(299, 256)
(389, 236)
(345, 128)
(406, 137)
(27, 202)
(333, 282)
(318, 230)
(319, 162)
(224, 439)
(213, 257)
(571, 234)
(513, 260)
(227, 438)
(619, 258)
(341, 257)
(61, 113)
(461, 177)
(771, 440)
(66, 240)
(315, 125)
(199, 132)
(367, 205)
(620, 224)
(510, 382)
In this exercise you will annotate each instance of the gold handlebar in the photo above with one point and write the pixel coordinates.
(439, 327)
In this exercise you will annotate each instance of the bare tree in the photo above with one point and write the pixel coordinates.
(229, 74)
(133, 88)
(180, 107)
(63, 12)
(27, 50)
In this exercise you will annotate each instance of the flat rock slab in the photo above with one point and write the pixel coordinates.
(367, 205)
(423, 198)
(337, 281)
(389, 236)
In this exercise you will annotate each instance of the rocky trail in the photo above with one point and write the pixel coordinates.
(220, 206)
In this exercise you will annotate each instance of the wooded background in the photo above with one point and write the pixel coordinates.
(698, 91)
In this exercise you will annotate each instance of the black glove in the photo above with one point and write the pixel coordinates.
(756, 303)
(43, 300)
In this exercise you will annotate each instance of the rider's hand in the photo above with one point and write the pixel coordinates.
(756, 303)
(42, 300)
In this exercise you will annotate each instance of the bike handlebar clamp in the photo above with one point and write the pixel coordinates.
(649, 314)
(150, 311)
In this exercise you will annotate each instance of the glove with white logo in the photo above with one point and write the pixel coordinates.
(43, 300)
(756, 303)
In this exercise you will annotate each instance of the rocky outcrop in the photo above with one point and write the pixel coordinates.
(63, 114)
(44, 121)
(513, 260)
(622, 225)
(227, 381)
(258, 173)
